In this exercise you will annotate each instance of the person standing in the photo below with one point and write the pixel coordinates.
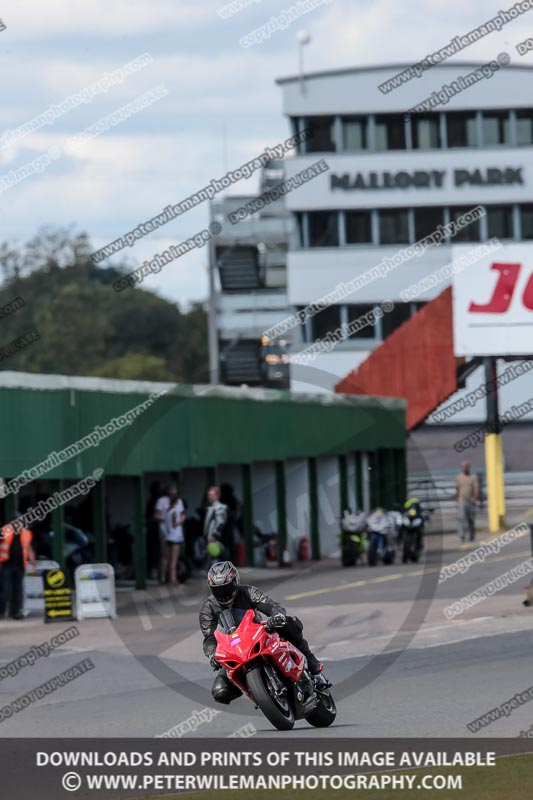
(160, 515)
(15, 553)
(174, 519)
(216, 516)
(466, 494)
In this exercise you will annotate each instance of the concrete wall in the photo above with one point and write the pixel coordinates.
(264, 496)
(352, 499)
(356, 90)
(329, 510)
(431, 448)
(298, 518)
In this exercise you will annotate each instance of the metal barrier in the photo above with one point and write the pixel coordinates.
(438, 489)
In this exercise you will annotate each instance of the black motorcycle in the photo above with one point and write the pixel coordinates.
(414, 518)
(353, 537)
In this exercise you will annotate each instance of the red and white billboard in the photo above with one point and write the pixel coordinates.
(493, 303)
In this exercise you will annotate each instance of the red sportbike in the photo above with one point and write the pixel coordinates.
(272, 672)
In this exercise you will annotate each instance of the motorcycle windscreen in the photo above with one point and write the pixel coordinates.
(242, 639)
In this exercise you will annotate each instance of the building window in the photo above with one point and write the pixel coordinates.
(300, 228)
(390, 132)
(321, 136)
(325, 321)
(526, 217)
(301, 316)
(461, 129)
(355, 313)
(427, 220)
(295, 128)
(354, 133)
(496, 128)
(500, 222)
(358, 227)
(468, 233)
(524, 127)
(393, 319)
(394, 226)
(323, 229)
(426, 132)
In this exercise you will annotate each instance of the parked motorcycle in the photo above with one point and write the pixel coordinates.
(382, 529)
(353, 537)
(414, 519)
(272, 672)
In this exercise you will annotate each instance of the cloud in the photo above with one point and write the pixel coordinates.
(223, 105)
(99, 18)
(388, 32)
(184, 280)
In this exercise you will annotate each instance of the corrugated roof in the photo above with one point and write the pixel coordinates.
(39, 382)
(169, 427)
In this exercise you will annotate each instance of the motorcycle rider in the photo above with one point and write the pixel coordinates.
(226, 592)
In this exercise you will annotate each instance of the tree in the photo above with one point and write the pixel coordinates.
(74, 329)
(85, 327)
(135, 367)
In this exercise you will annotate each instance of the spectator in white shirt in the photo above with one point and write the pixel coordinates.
(174, 519)
(216, 516)
(160, 513)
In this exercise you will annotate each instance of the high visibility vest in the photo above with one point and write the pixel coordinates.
(6, 538)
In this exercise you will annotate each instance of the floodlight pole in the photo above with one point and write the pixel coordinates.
(301, 67)
(214, 356)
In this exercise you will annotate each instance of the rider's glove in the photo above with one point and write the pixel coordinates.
(213, 663)
(276, 621)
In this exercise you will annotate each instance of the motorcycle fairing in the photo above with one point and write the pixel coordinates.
(249, 642)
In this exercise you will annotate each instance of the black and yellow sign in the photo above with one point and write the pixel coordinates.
(57, 596)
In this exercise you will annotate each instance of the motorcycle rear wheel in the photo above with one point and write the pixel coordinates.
(280, 718)
(325, 712)
(350, 554)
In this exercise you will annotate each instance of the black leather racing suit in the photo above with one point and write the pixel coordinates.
(247, 597)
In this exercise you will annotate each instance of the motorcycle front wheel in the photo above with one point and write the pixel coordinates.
(277, 710)
(325, 712)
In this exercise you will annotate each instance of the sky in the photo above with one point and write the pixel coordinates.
(220, 105)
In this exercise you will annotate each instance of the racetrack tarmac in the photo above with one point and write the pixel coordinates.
(399, 666)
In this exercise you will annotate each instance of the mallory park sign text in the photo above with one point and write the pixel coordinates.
(428, 179)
